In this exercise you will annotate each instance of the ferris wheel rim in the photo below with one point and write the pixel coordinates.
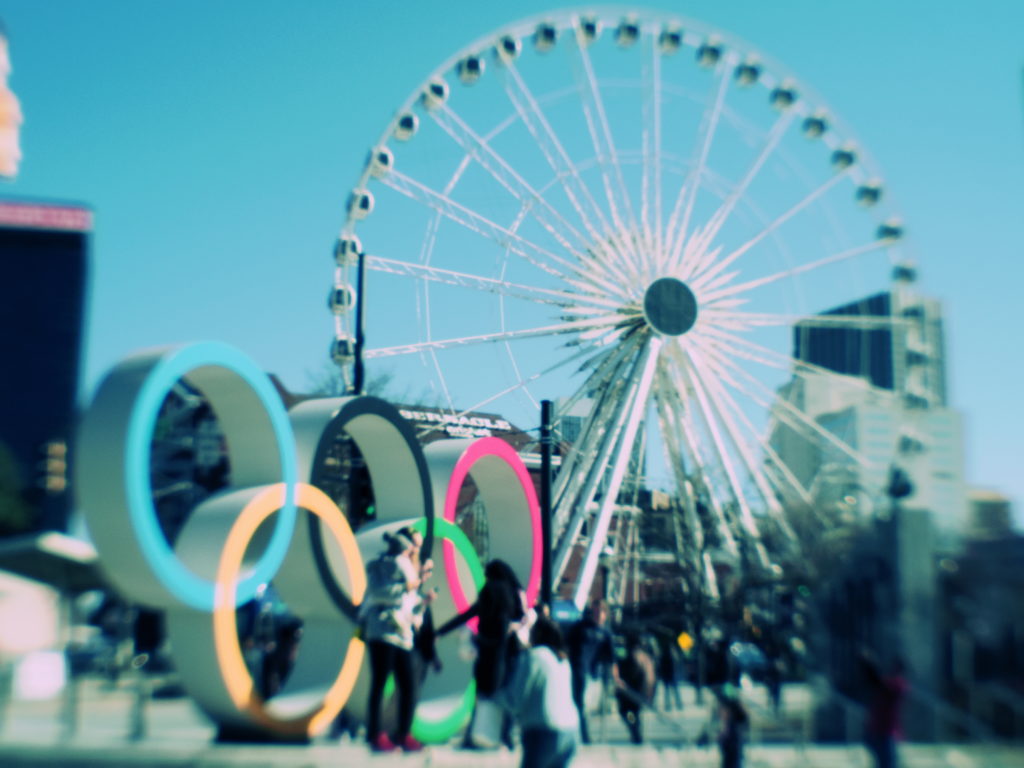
(565, 19)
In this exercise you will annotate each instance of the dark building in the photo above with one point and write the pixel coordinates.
(900, 344)
(43, 263)
(851, 351)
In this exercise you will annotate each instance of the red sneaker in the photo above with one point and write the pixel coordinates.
(409, 744)
(383, 744)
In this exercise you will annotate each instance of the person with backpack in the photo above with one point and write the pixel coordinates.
(389, 616)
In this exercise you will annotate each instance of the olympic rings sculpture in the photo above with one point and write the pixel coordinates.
(227, 548)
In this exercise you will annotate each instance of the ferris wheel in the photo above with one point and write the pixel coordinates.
(655, 226)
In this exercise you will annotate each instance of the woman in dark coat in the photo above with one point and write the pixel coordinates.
(498, 606)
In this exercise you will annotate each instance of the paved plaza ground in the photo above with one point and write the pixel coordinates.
(174, 733)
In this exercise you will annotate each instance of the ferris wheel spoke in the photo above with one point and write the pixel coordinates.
(801, 422)
(594, 273)
(584, 302)
(797, 419)
(739, 347)
(672, 384)
(608, 378)
(671, 446)
(738, 320)
(600, 267)
(604, 146)
(623, 450)
(669, 411)
(475, 222)
(702, 280)
(587, 465)
(521, 383)
(677, 230)
(576, 326)
(651, 183)
(790, 479)
(591, 453)
(733, 418)
(675, 457)
(787, 480)
(502, 172)
(700, 389)
(835, 258)
(702, 256)
(568, 175)
(578, 463)
(604, 365)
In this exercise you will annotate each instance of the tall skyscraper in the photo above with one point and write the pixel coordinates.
(43, 263)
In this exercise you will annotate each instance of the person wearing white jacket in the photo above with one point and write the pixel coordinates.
(539, 694)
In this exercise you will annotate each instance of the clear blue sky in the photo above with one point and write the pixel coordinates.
(217, 142)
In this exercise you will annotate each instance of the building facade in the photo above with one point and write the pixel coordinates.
(881, 389)
(43, 267)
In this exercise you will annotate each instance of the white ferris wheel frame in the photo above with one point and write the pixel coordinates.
(690, 382)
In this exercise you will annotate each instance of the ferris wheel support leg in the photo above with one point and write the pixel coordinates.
(604, 516)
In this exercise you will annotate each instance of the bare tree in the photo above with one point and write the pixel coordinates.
(328, 382)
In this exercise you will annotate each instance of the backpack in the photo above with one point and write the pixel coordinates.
(385, 613)
(385, 581)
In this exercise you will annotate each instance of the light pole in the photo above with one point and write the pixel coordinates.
(546, 587)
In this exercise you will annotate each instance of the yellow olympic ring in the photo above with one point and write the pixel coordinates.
(237, 679)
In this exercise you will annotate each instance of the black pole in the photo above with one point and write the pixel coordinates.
(357, 369)
(546, 587)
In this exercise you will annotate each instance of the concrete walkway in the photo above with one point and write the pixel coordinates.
(32, 734)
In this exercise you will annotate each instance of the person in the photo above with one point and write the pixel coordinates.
(501, 609)
(718, 669)
(733, 720)
(114, 618)
(668, 674)
(885, 699)
(424, 641)
(773, 682)
(590, 650)
(634, 677)
(539, 694)
(391, 611)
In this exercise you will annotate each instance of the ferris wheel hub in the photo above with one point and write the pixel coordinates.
(670, 307)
